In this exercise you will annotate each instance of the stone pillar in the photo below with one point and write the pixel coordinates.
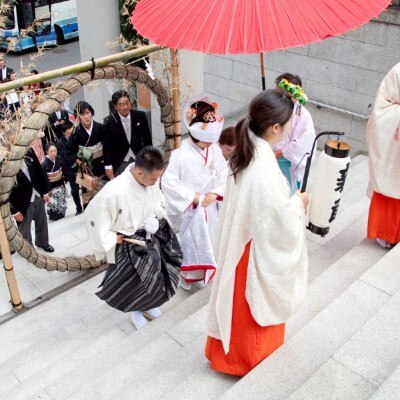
(99, 25)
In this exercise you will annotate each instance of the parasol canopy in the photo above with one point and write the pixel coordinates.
(249, 26)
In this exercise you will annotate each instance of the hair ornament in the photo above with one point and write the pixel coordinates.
(293, 90)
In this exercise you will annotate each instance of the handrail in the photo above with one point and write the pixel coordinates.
(337, 109)
(316, 103)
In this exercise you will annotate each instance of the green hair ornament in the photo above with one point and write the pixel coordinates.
(294, 90)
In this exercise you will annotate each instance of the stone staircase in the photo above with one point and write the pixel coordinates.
(342, 344)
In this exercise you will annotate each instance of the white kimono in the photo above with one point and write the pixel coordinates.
(257, 208)
(298, 142)
(383, 138)
(122, 206)
(190, 171)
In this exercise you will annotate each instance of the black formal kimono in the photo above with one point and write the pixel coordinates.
(116, 144)
(81, 144)
(80, 137)
(57, 205)
(70, 169)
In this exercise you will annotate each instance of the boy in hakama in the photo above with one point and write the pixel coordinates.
(125, 222)
(383, 140)
(193, 185)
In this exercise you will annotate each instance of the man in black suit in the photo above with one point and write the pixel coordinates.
(56, 122)
(4, 70)
(27, 201)
(126, 133)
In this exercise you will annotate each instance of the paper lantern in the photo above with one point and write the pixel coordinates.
(327, 189)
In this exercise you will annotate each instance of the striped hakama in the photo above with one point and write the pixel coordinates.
(143, 277)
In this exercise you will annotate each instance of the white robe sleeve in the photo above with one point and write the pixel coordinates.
(178, 197)
(278, 260)
(100, 216)
(302, 139)
(221, 173)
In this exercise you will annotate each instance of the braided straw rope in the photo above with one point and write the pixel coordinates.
(38, 121)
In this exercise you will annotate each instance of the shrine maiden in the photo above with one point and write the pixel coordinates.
(193, 185)
(300, 138)
(260, 247)
(383, 140)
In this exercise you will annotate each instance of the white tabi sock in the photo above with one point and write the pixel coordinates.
(152, 313)
(138, 320)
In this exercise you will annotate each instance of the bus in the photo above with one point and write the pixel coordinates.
(56, 21)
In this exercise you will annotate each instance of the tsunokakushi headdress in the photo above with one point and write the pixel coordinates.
(294, 90)
(203, 119)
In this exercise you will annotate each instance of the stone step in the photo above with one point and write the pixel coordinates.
(61, 352)
(321, 257)
(313, 349)
(390, 389)
(290, 366)
(90, 369)
(370, 356)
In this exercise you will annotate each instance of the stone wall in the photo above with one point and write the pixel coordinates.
(344, 72)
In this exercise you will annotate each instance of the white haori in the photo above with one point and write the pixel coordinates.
(122, 206)
(298, 142)
(258, 208)
(190, 171)
(383, 138)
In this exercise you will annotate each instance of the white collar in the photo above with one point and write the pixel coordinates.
(128, 117)
(89, 131)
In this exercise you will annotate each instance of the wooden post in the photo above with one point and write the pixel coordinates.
(262, 70)
(175, 98)
(9, 269)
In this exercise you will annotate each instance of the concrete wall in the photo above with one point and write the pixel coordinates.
(344, 72)
(96, 32)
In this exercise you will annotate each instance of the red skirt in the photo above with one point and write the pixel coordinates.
(250, 343)
(384, 218)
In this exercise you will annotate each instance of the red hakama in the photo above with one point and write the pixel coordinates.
(384, 218)
(250, 343)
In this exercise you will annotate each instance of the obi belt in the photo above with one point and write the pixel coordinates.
(143, 277)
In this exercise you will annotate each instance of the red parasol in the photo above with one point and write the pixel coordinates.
(249, 26)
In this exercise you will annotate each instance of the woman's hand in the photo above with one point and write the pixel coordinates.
(209, 199)
(304, 197)
(120, 238)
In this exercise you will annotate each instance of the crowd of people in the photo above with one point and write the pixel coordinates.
(22, 97)
(226, 209)
(71, 149)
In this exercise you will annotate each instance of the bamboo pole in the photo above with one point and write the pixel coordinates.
(9, 269)
(81, 67)
(175, 98)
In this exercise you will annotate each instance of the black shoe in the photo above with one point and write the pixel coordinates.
(48, 248)
(78, 212)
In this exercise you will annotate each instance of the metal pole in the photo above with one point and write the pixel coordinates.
(9, 269)
(175, 98)
(81, 67)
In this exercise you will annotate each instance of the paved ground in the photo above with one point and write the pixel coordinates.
(52, 58)
(68, 237)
